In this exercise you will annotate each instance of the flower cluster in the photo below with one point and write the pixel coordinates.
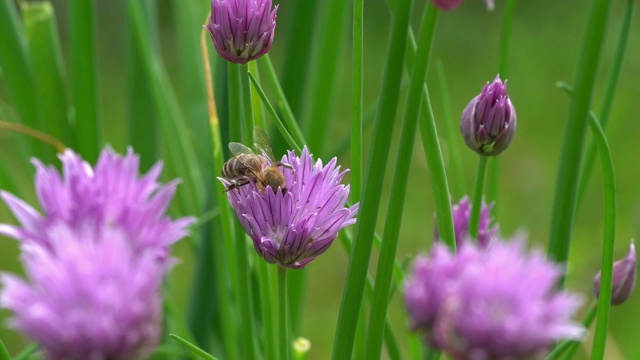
(461, 214)
(294, 227)
(95, 259)
(242, 30)
(492, 303)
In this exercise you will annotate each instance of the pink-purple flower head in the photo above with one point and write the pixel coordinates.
(624, 278)
(294, 227)
(448, 5)
(111, 194)
(95, 259)
(488, 122)
(461, 215)
(89, 295)
(242, 30)
(492, 303)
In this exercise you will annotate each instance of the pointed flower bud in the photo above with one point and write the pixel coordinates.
(242, 30)
(461, 215)
(489, 121)
(624, 278)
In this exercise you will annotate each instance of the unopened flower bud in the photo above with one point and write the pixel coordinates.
(489, 121)
(447, 5)
(241, 30)
(624, 278)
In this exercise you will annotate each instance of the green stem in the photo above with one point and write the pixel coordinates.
(196, 350)
(609, 95)
(566, 185)
(356, 121)
(369, 206)
(84, 77)
(247, 106)
(451, 134)
(269, 322)
(433, 153)
(476, 206)
(604, 299)
(505, 44)
(386, 260)
(276, 119)
(287, 115)
(283, 313)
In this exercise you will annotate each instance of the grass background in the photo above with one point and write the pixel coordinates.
(545, 45)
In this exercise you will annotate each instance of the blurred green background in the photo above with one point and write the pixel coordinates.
(545, 45)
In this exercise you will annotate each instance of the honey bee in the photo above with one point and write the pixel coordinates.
(247, 166)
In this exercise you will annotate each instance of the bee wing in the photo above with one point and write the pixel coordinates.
(237, 149)
(263, 144)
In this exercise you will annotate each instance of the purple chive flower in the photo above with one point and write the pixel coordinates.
(111, 194)
(295, 227)
(242, 30)
(493, 303)
(489, 121)
(95, 259)
(461, 214)
(90, 295)
(447, 5)
(624, 278)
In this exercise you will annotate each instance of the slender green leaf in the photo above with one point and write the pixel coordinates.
(563, 211)
(356, 122)
(84, 78)
(196, 350)
(399, 186)
(4, 354)
(609, 95)
(365, 227)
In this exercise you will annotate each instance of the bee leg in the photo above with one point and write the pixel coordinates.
(285, 165)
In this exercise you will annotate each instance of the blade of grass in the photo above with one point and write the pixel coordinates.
(196, 350)
(142, 117)
(365, 227)
(21, 80)
(399, 186)
(84, 78)
(172, 123)
(564, 206)
(44, 44)
(609, 95)
(320, 94)
(570, 346)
